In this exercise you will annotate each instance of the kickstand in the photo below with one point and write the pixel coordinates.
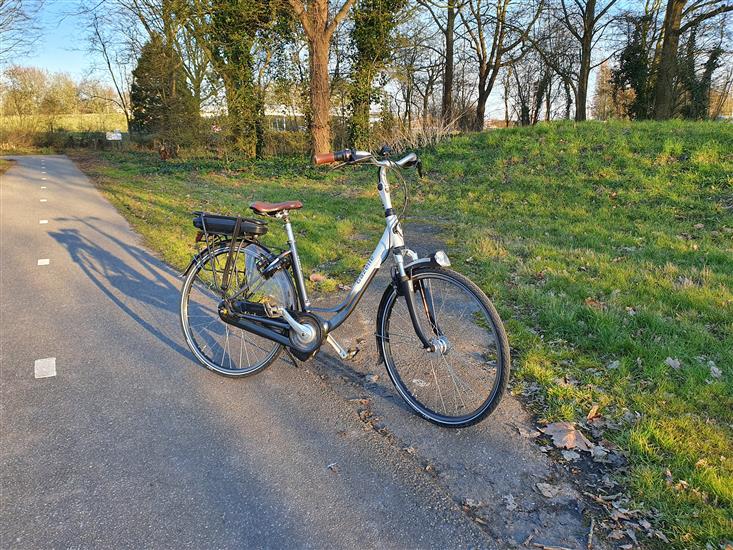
(292, 358)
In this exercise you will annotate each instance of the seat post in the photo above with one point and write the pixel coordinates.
(297, 270)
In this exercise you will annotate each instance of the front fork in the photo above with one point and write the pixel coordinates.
(407, 288)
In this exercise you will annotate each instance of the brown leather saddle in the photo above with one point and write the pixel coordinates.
(273, 208)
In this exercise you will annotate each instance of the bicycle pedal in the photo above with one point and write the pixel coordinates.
(345, 355)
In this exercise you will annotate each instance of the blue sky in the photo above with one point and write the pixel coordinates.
(63, 41)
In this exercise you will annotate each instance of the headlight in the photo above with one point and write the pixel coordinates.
(441, 258)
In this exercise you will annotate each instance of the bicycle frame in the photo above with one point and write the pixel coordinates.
(392, 241)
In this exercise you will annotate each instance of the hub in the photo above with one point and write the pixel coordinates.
(440, 345)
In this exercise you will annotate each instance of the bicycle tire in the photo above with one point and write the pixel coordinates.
(503, 361)
(216, 259)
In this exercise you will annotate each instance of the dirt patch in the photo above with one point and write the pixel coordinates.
(492, 470)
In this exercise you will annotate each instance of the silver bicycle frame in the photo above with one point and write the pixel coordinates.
(392, 241)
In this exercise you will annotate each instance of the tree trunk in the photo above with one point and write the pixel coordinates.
(582, 95)
(483, 96)
(447, 106)
(663, 92)
(320, 96)
(586, 47)
(568, 100)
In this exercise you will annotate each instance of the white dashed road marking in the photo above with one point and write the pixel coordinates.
(43, 186)
(42, 221)
(44, 200)
(44, 261)
(43, 178)
(45, 368)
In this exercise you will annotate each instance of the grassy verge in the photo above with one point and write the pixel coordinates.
(4, 165)
(607, 247)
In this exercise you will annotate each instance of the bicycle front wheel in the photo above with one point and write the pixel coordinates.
(220, 347)
(463, 380)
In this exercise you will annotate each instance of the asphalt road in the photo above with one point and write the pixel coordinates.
(133, 444)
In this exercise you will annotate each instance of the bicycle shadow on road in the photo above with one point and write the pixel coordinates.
(134, 280)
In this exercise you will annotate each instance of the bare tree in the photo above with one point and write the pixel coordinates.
(679, 18)
(490, 26)
(117, 59)
(19, 28)
(445, 15)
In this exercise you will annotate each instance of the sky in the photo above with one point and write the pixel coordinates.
(63, 41)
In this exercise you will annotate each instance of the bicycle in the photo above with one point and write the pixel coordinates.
(442, 342)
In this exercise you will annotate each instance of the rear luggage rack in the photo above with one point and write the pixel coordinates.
(234, 231)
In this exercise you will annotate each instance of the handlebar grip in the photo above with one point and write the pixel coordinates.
(345, 155)
(324, 158)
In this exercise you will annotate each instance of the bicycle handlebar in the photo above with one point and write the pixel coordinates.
(352, 155)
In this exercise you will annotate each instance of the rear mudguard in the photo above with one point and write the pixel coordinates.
(201, 256)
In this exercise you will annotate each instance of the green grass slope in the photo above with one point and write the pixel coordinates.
(608, 249)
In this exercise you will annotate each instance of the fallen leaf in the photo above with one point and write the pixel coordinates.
(616, 534)
(333, 467)
(317, 277)
(598, 453)
(673, 363)
(570, 455)
(564, 435)
(701, 463)
(668, 476)
(617, 515)
(614, 365)
(595, 304)
(547, 490)
(524, 432)
(593, 413)
(699, 225)
(715, 372)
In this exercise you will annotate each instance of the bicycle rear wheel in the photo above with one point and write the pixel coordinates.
(461, 382)
(220, 347)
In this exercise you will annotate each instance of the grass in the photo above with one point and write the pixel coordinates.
(4, 165)
(102, 122)
(608, 249)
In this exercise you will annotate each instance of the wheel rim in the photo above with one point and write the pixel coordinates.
(218, 345)
(459, 381)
